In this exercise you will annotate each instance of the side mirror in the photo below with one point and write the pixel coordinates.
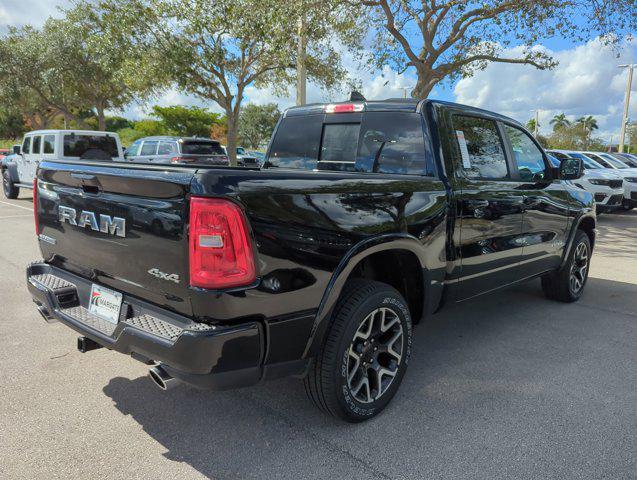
(571, 169)
(17, 149)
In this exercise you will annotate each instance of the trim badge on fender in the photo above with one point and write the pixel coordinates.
(107, 224)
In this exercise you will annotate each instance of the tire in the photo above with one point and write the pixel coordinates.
(627, 205)
(365, 355)
(567, 284)
(10, 190)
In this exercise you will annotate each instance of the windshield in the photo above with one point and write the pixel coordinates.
(560, 155)
(616, 163)
(627, 159)
(90, 147)
(604, 163)
(588, 163)
(201, 148)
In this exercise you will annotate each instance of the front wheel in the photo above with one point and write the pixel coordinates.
(627, 205)
(567, 284)
(10, 190)
(365, 355)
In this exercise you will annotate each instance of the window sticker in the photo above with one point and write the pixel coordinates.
(464, 152)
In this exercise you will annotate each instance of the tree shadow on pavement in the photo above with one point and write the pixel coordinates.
(510, 385)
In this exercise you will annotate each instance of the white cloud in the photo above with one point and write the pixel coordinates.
(586, 82)
(34, 12)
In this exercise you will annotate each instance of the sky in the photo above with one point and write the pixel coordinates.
(587, 80)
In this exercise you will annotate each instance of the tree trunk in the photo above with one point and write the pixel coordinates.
(101, 118)
(233, 125)
(424, 85)
(301, 66)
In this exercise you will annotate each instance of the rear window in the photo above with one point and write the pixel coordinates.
(201, 148)
(90, 147)
(384, 142)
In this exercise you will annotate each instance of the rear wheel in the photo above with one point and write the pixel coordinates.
(366, 352)
(567, 284)
(10, 190)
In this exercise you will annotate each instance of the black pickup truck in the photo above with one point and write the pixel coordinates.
(365, 218)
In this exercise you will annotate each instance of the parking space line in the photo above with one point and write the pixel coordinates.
(17, 206)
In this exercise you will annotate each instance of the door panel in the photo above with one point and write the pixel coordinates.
(546, 204)
(490, 208)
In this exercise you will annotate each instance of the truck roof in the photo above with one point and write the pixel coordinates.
(394, 105)
(79, 132)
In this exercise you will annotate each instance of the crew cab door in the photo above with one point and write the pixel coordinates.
(489, 208)
(546, 204)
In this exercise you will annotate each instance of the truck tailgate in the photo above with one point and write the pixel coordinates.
(122, 227)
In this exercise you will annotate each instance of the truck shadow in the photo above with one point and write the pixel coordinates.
(498, 377)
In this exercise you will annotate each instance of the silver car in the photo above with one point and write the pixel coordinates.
(176, 150)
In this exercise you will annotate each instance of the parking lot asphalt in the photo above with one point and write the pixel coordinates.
(510, 385)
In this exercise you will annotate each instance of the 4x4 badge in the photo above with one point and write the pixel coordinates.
(171, 277)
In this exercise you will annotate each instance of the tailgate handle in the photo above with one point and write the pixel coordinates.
(84, 176)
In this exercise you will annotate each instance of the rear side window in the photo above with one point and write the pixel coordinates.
(201, 148)
(167, 148)
(385, 142)
(26, 145)
(90, 147)
(48, 145)
(37, 145)
(481, 150)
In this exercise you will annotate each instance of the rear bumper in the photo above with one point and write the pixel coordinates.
(207, 356)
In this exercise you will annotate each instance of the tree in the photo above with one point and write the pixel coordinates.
(587, 124)
(186, 121)
(446, 39)
(256, 123)
(560, 121)
(214, 50)
(530, 125)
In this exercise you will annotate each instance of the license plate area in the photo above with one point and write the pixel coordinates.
(105, 303)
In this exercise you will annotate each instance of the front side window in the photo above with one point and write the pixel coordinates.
(481, 150)
(149, 148)
(528, 157)
(48, 145)
(26, 145)
(37, 145)
(90, 147)
(133, 150)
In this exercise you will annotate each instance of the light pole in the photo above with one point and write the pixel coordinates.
(404, 89)
(536, 127)
(629, 84)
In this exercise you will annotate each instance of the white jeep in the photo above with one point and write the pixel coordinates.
(18, 170)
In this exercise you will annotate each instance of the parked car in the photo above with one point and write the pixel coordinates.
(244, 159)
(628, 158)
(364, 218)
(4, 152)
(177, 150)
(620, 168)
(260, 156)
(605, 185)
(19, 169)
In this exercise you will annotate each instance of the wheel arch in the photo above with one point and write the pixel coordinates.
(369, 259)
(585, 222)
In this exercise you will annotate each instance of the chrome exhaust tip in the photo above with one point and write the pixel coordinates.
(162, 379)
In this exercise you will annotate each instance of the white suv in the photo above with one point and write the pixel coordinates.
(606, 186)
(628, 173)
(19, 170)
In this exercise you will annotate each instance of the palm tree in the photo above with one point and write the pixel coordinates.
(588, 124)
(530, 125)
(560, 121)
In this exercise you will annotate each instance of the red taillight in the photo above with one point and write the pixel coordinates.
(181, 159)
(220, 248)
(344, 108)
(35, 206)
